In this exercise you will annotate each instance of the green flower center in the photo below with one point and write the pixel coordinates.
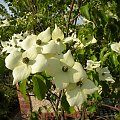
(15, 46)
(58, 40)
(64, 68)
(79, 83)
(103, 74)
(25, 60)
(38, 42)
(20, 40)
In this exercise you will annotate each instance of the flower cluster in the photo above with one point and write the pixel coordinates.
(29, 54)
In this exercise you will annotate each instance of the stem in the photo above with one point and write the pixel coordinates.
(58, 100)
(30, 102)
(83, 112)
(114, 108)
(78, 11)
(100, 118)
(53, 94)
(71, 8)
(53, 106)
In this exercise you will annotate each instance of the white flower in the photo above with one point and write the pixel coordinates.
(4, 23)
(91, 64)
(38, 41)
(9, 46)
(116, 47)
(87, 40)
(55, 46)
(57, 34)
(76, 93)
(104, 74)
(25, 63)
(71, 38)
(75, 40)
(65, 70)
(17, 39)
(13, 44)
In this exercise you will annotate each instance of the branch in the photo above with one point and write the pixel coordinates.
(78, 11)
(71, 8)
(114, 108)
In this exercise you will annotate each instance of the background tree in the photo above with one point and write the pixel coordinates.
(104, 16)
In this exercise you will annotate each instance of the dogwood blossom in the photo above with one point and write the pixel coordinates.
(92, 65)
(76, 93)
(4, 23)
(71, 38)
(104, 74)
(116, 47)
(13, 44)
(38, 41)
(75, 41)
(57, 34)
(25, 63)
(87, 40)
(9, 46)
(55, 46)
(65, 70)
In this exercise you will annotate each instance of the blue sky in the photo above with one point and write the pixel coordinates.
(6, 5)
(79, 21)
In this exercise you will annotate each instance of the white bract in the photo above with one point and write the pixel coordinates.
(92, 64)
(74, 40)
(87, 40)
(104, 74)
(116, 47)
(13, 44)
(25, 63)
(65, 70)
(4, 23)
(71, 39)
(37, 41)
(9, 46)
(55, 46)
(76, 93)
(57, 34)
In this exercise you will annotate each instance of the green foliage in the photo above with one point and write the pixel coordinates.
(85, 11)
(66, 106)
(22, 87)
(39, 87)
(36, 15)
(8, 98)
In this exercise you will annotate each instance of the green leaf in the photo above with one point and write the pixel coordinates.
(92, 108)
(115, 59)
(106, 56)
(22, 87)
(94, 58)
(103, 52)
(2, 66)
(39, 87)
(85, 11)
(66, 105)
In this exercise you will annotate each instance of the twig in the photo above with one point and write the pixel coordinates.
(58, 100)
(78, 11)
(75, 17)
(53, 105)
(83, 113)
(99, 118)
(53, 94)
(71, 8)
(30, 102)
(111, 107)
